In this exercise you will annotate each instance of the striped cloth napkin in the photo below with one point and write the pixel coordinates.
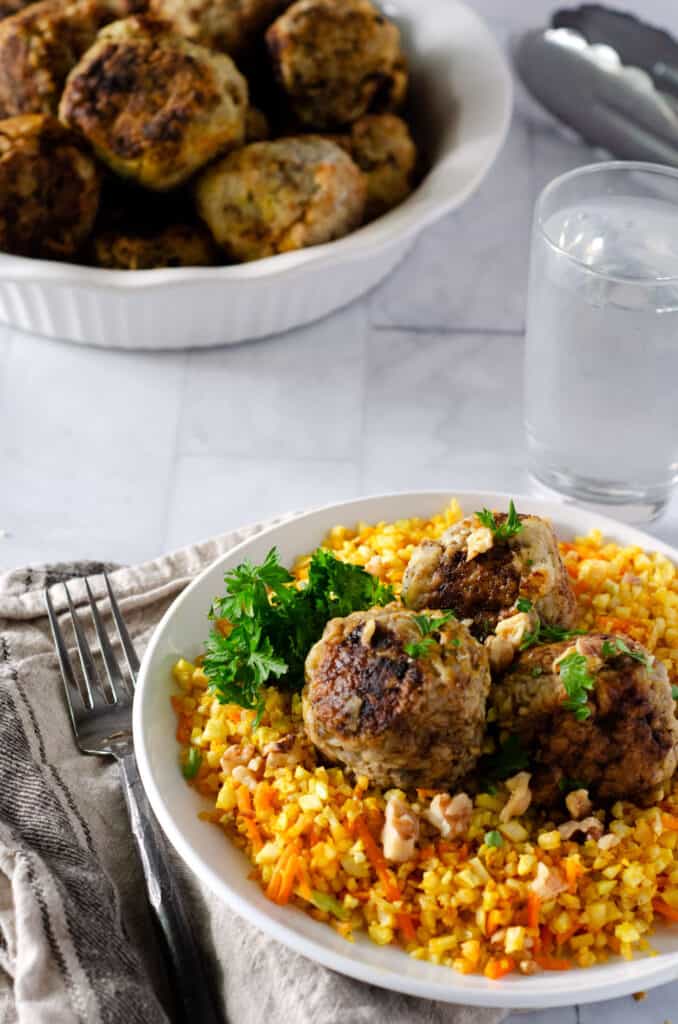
(76, 941)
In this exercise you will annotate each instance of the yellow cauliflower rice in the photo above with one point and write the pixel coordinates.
(495, 895)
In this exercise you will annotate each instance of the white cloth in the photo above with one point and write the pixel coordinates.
(76, 942)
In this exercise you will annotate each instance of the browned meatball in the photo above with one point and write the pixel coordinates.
(228, 25)
(154, 106)
(9, 7)
(621, 744)
(482, 577)
(403, 719)
(337, 60)
(40, 45)
(383, 149)
(49, 188)
(175, 245)
(273, 197)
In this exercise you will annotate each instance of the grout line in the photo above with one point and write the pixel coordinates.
(500, 332)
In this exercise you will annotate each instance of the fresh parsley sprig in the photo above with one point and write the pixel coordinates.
(511, 757)
(272, 624)
(616, 646)
(545, 634)
(428, 627)
(578, 682)
(505, 530)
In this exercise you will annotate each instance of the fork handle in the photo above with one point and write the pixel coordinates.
(185, 963)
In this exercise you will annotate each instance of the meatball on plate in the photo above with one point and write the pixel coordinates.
(337, 765)
(386, 706)
(161, 90)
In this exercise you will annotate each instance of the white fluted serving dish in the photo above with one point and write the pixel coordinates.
(461, 101)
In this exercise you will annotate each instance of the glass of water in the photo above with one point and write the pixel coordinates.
(601, 361)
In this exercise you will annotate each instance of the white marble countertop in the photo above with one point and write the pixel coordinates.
(120, 456)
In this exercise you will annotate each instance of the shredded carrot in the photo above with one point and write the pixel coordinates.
(263, 798)
(533, 907)
(496, 969)
(275, 883)
(288, 876)
(553, 963)
(377, 860)
(253, 834)
(304, 884)
(406, 926)
(546, 938)
(573, 870)
(244, 801)
(183, 733)
(670, 821)
(427, 852)
(665, 910)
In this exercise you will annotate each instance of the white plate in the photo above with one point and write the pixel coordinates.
(223, 868)
(461, 106)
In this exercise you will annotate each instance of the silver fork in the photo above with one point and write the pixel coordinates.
(102, 723)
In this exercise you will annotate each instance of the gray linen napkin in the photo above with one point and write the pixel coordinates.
(76, 941)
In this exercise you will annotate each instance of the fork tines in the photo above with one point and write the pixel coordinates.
(93, 693)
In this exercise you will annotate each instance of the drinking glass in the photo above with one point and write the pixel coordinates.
(601, 359)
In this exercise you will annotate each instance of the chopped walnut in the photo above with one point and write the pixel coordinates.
(515, 627)
(400, 832)
(520, 798)
(578, 803)
(236, 755)
(607, 841)
(255, 764)
(478, 541)
(548, 883)
(501, 652)
(244, 776)
(282, 753)
(450, 815)
(592, 828)
(368, 632)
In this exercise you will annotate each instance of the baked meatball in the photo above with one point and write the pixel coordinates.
(9, 7)
(154, 106)
(228, 25)
(175, 245)
(40, 45)
(402, 719)
(481, 577)
(622, 743)
(336, 60)
(272, 197)
(383, 149)
(49, 188)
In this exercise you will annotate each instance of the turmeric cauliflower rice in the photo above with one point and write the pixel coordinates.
(478, 877)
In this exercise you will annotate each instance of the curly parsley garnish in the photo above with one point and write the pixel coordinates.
(523, 604)
(612, 648)
(271, 625)
(428, 627)
(505, 530)
(674, 692)
(493, 838)
(578, 682)
(545, 634)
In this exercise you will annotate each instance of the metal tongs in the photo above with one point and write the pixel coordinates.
(608, 75)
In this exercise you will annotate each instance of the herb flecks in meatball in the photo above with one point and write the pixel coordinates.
(598, 709)
(337, 60)
(155, 107)
(273, 197)
(49, 188)
(385, 703)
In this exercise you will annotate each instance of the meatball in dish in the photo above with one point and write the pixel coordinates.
(40, 45)
(403, 705)
(481, 573)
(596, 714)
(272, 197)
(383, 149)
(227, 25)
(174, 245)
(49, 188)
(155, 107)
(337, 60)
